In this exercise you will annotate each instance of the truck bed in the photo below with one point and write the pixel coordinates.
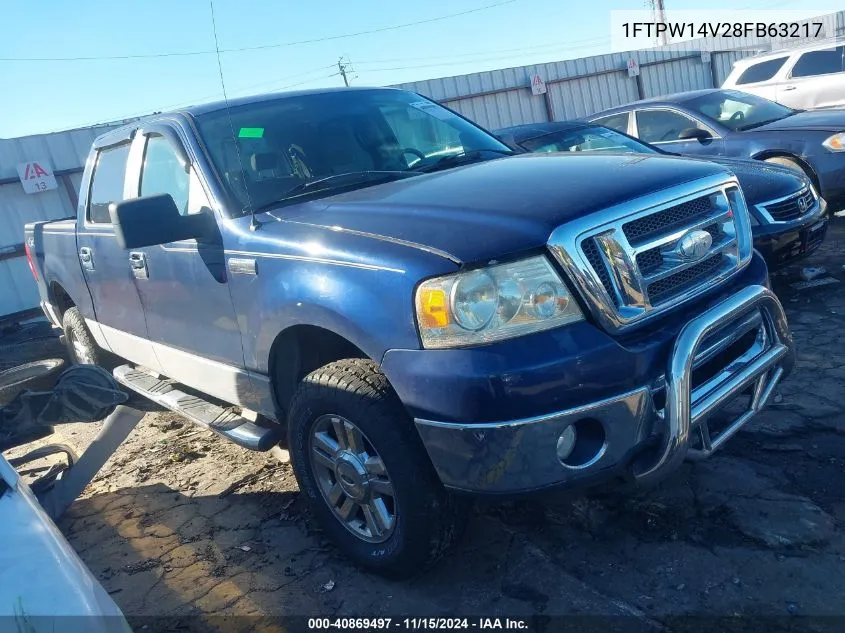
(52, 252)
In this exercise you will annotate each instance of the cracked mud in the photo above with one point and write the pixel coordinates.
(174, 525)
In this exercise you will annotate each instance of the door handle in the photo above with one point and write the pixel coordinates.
(138, 263)
(788, 88)
(86, 256)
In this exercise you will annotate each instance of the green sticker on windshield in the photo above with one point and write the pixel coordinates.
(251, 132)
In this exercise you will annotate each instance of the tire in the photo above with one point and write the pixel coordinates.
(40, 375)
(426, 521)
(790, 163)
(81, 346)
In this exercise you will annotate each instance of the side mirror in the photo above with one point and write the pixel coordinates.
(154, 220)
(695, 133)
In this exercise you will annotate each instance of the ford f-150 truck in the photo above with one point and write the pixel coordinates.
(374, 281)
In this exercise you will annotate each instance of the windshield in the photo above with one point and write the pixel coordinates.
(738, 111)
(282, 145)
(593, 138)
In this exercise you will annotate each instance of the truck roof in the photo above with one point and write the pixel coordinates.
(270, 96)
(122, 133)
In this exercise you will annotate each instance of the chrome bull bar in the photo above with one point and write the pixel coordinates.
(687, 408)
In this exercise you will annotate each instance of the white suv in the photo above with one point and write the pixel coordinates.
(804, 78)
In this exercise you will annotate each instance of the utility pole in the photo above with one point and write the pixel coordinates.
(660, 18)
(343, 67)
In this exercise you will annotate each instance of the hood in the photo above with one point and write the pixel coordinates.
(762, 182)
(827, 120)
(488, 210)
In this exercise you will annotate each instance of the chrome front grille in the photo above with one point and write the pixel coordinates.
(790, 208)
(635, 260)
(666, 288)
(645, 228)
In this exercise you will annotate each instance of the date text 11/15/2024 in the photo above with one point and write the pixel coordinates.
(416, 624)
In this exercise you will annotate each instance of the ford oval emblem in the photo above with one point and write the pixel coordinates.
(694, 245)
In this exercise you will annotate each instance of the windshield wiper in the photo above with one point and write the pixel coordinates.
(460, 158)
(336, 181)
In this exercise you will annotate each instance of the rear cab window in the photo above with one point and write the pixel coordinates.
(107, 182)
(761, 71)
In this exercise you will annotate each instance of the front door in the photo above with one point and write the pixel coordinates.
(118, 315)
(662, 127)
(183, 285)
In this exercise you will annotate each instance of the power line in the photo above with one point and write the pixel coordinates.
(203, 99)
(551, 45)
(470, 61)
(262, 46)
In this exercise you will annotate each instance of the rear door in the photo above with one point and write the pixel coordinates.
(815, 80)
(106, 266)
(662, 127)
(184, 286)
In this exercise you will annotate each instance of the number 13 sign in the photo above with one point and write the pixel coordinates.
(36, 176)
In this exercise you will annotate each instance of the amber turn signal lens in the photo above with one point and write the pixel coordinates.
(434, 312)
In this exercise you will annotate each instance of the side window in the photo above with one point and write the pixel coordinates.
(762, 71)
(164, 172)
(659, 126)
(815, 63)
(107, 182)
(615, 121)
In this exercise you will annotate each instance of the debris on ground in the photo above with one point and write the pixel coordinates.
(248, 480)
(808, 273)
(824, 281)
(327, 586)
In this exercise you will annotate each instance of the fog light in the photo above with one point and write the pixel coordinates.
(566, 442)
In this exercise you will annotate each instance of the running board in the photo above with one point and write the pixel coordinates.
(224, 421)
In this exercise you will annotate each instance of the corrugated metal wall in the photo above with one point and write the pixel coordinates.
(578, 87)
(66, 153)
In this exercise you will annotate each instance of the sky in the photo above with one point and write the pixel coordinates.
(48, 95)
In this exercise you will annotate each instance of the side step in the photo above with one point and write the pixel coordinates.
(222, 420)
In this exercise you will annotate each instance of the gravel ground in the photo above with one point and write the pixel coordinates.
(180, 524)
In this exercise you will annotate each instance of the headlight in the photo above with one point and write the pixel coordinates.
(493, 303)
(835, 143)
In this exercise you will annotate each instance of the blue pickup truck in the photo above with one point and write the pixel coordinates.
(375, 282)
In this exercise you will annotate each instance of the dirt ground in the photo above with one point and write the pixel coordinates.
(181, 525)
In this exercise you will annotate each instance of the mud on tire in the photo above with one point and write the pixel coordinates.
(428, 520)
(81, 346)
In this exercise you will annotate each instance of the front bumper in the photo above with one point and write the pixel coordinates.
(784, 243)
(647, 431)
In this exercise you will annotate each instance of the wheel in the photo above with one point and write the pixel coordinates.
(794, 165)
(359, 462)
(81, 346)
(40, 375)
